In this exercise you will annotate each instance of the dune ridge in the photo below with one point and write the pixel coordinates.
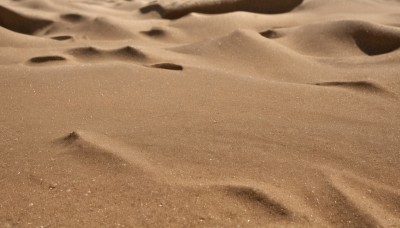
(250, 194)
(357, 85)
(337, 192)
(72, 17)
(94, 145)
(20, 23)
(101, 149)
(61, 38)
(378, 214)
(339, 38)
(125, 53)
(175, 11)
(168, 66)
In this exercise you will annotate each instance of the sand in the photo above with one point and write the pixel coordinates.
(200, 113)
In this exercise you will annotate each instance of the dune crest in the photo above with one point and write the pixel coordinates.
(20, 23)
(356, 85)
(62, 38)
(259, 199)
(339, 38)
(177, 10)
(94, 144)
(72, 17)
(93, 53)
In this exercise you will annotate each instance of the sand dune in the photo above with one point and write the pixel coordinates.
(339, 38)
(231, 113)
(178, 9)
(20, 23)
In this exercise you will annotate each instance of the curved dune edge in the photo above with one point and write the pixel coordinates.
(168, 66)
(46, 59)
(92, 53)
(377, 42)
(73, 17)
(355, 85)
(327, 199)
(363, 87)
(174, 11)
(154, 32)
(100, 147)
(62, 37)
(105, 152)
(259, 198)
(340, 38)
(19, 23)
(361, 196)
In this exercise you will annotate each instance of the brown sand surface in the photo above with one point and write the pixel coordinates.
(200, 113)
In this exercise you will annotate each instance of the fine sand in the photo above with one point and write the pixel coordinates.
(204, 113)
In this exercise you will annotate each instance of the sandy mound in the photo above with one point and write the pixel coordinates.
(339, 38)
(124, 53)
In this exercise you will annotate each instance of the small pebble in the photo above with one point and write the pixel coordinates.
(52, 186)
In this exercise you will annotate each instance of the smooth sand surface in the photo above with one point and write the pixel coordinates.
(225, 113)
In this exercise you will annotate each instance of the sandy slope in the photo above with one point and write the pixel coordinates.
(250, 113)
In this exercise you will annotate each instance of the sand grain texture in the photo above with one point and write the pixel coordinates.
(228, 113)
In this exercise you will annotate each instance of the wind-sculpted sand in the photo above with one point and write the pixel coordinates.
(229, 113)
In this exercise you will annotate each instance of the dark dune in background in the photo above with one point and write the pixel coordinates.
(176, 10)
(250, 113)
(20, 23)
